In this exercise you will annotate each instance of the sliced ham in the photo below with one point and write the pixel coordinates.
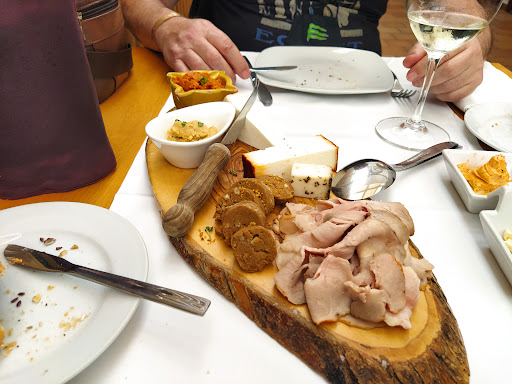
(350, 260)
(286, 225)
(358, 292)
(296, 209)
(307, 222)
(366, 252)
(373, 308)
(395, 208)
(305, 216)
(313, 265)
(326, 294)
(422, 267)
(397, 226)
(389, 277)
(289, 280)
(412, 296)
(323, 236)
(366, 229)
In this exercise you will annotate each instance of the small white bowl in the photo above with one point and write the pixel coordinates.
(474, 203)
(190, 154)
(494, 224)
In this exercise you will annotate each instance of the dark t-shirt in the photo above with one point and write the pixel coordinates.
(254, 25)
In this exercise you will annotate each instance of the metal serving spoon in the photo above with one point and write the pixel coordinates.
(365, 178)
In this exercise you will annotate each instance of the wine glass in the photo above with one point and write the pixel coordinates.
(440, 26)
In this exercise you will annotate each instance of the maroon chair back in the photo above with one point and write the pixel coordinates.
(52, 136)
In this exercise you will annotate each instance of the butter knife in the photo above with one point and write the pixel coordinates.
(41, 261)
(263, 93)
(179, 218)
(278, 68)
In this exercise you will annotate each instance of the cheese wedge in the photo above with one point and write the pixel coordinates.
(311, 180)
(255, 133)
(280, 159)
(260, 138)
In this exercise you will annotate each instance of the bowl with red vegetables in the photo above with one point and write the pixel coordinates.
(198, 87)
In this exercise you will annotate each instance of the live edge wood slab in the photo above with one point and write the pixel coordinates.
(432, 351)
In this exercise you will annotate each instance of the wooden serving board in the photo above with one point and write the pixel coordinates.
(432, 351)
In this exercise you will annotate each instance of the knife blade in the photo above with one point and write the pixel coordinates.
(179, 218)
(42, 261)
(234, 131)
(263, 93)
(276, 68)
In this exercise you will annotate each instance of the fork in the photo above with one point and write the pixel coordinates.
(399, 91)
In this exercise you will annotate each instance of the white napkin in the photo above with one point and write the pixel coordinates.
(496, 87)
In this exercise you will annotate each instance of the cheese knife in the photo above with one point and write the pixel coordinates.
(263, 93)
(41, 261)
(179, 218)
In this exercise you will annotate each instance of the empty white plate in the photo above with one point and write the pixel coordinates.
(326, 70)
(491, 123)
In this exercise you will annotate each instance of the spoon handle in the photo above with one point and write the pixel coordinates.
(425, 155)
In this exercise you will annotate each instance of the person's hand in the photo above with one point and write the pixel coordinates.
(193, 44)
(457, 75)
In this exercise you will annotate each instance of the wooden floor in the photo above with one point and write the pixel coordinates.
(396, 35)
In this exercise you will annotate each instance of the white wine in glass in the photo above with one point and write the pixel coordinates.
(440, 26)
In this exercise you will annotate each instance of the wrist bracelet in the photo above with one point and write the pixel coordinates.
(162, 20)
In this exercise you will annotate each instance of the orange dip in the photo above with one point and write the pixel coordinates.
(487, 177)
(2, 336)
(197, 80)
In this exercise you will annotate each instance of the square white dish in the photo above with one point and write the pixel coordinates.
(326, 70)
(494, 224)
(474, 203)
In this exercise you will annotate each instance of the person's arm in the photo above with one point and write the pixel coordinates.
(186, 44)
(141, 15)
(459, 72)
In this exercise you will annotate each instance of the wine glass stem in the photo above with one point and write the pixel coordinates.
(432, 64)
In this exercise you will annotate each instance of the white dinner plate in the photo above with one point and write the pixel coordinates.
(75, 320)
(326, 70)
(491, 123)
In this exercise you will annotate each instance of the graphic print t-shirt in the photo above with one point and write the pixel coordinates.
(254, 25)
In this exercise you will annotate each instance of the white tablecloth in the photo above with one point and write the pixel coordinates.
(164, 345)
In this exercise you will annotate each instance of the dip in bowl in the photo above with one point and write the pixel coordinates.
(474, 202)
(184, 154)
(197, 87)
